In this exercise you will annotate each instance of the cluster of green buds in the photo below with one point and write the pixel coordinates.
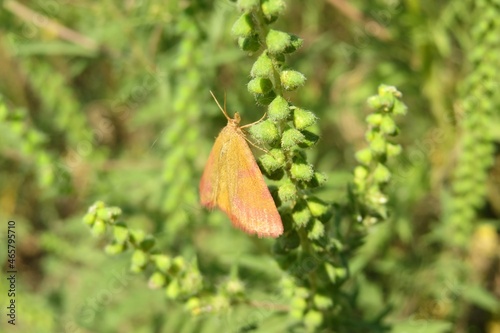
(180, 279)
(30, 143)
(228, 292)
(477, 124)
(372, 175)
(287, 129)
(305, 306)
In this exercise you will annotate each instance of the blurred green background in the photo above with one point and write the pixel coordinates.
(110, 101)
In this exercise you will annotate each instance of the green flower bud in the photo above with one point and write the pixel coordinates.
(330, 272)
(193, 305)
(249, 44)
(386, 90)
(96, 206)
(259, 86)
(162, 262)
(378, 144)
(381, 174)
(322, 302)
(317, 231)
(374, 102)
(103, 214)
(263, 67)
(312, 320)
(393, 150)
(120, 233)
(277, 41)
(278, 109)
(301, 171)
(99, 227)
(278, 155)
(272, 9)
(287, 192)
(317, 207)
(382, 102)
(244, 26)
(303, 119)
(301, 214)
(360, 172)
(265, 131)
(248, 5)
(290, 138)
(291, 80)
(178, 264)
(341, 273)
(364, 156)
(235, 287)
(139, 261)
(388, 126)
(387, 103)
(173, 289)
(273, 160)
(137, 236)
(89, 219)
(115, 248)
(298, 303)
(376, 198)
(192, 282)
(375, 119)
(157, 280)
(399, 108)
(371, 134)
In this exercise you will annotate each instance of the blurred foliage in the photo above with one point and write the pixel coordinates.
(109, 102)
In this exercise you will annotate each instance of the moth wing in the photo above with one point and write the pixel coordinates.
(252, 208)
(210, 184)
(219, 173)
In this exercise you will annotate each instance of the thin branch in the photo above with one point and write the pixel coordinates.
(269, 306)
(372, 27)
(43, 22)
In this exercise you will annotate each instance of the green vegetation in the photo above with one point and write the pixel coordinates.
(380, 147)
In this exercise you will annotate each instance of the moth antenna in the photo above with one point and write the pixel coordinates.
(253, 144)
(225, 100)
(220, 107)
(255, 122)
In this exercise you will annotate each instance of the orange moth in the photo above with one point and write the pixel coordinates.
(233, 182)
